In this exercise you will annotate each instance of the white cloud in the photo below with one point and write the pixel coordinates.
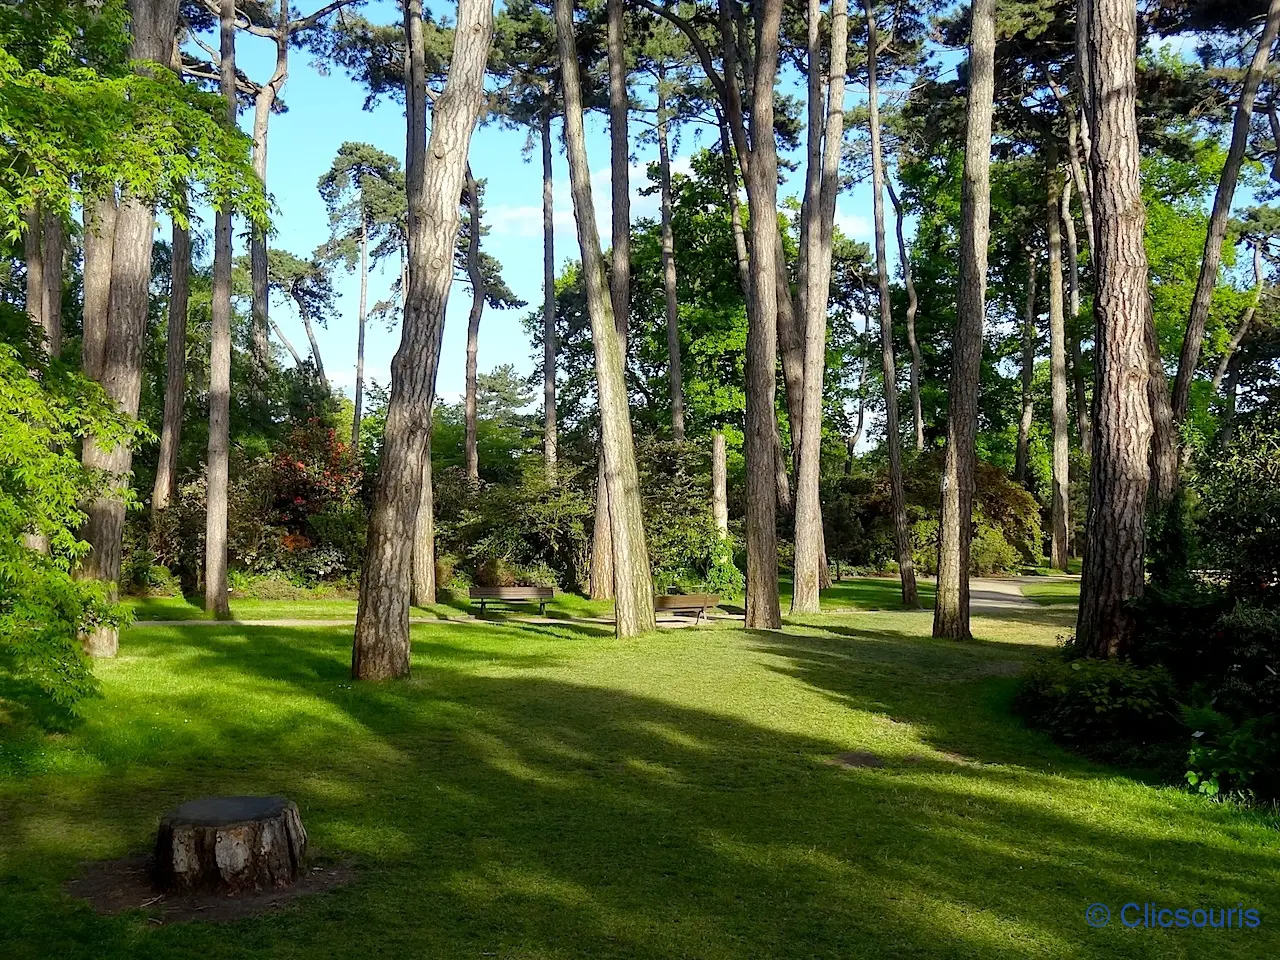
(854, 225)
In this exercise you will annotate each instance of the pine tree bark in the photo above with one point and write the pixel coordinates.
(54, 255)
(600, 583)
(423, 577)
(633, 586)
(1221, 215)
(1113, 553)
(763, 610)
(316, 360)
(116, 325)
(1028, 372)
(433, 184)
(913, 304)
(1060, 498)
(669, 267)
(175, 361)
(1074, 334)
(548, 305)
(478, 293)
(825, 146)
(719, 483)
(1163, 458)
(293, 352)
(33, 253)
(363, 318)
(951, 609)
(217, 472)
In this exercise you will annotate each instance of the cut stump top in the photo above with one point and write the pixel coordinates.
(221, 811)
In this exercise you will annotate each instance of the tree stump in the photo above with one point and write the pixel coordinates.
(230, 845)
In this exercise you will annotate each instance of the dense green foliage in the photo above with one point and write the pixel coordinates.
(45, 410)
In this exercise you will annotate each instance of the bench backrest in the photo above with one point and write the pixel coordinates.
(684, 601)
(512, 593)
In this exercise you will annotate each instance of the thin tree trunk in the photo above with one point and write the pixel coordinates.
(1074, 333)
(735, 215)
(263, 103)
(854, 440)
(1218, 219)
(1227, 431)
(293, 351)
(54, 255)
(917, 415)
(362, 320)
(1028, 372)
(893, 438)
(316, 360)
(433, 184)
(763, 610)
(478, 294)
(1113, 553)
(423, 580)
(1060, 499)
(669, 267)
(1246, 322)
(175, 384)
(719, 483)
(810, 559)
(633, 586)
(218, 470)
(116, 326)
(1163, 458)
(548, 305)
(951, 610)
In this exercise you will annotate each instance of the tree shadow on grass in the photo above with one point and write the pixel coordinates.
(499, 810)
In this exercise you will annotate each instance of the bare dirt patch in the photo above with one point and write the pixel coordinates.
(856, 759)
(114, 886)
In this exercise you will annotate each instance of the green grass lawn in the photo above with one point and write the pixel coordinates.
(1052, 592)
(546, 791)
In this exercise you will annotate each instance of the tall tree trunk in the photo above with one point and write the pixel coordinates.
(1113, 553)
(1226, 432)
(423, 578)
(669, 266)
(1246, 322)
(363, 318)
(316, 360)
(1218, 219)
(1074, 334)
(1020, 455)
(478, 293)
(548, 305)
(619, 279)
(810, 553)
(51, 295)
(893, 438)
(263, 103)
(951, 610)
(115, 328)
(175, 361)
(1060, 501)
(763, 610)
(917, 414)
(33, 252)
(852, 444)
(633, 586)
(218, 470)
(735, 215)
(433, 183)
(719, 483)
(100, 217)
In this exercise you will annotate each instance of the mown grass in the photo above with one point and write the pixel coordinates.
(547, 791)
(1052, 592)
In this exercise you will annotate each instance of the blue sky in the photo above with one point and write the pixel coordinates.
(324, 111)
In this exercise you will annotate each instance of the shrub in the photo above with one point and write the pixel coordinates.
(1238, 488)
(46, 410)
(1110, 708)
(1235, 760)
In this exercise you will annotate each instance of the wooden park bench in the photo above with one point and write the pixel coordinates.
(509, 595)
(695, 603)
